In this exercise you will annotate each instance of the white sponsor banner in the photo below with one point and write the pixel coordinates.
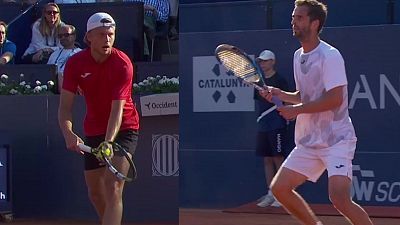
(216, 91)
(159, 104)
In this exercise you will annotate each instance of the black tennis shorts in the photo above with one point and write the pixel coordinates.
(128, 139)
(271, 143)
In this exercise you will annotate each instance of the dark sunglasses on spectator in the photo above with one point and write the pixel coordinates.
(52, 12)
(65, 35)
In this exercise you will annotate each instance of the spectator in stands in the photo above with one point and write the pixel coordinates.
(29, 2)
(173, 18)
(74, 1)
(156, 12)
(7, 48)
(44, 35)
(8, 1)
(67, 36)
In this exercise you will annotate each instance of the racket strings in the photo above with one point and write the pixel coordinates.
(239, 65)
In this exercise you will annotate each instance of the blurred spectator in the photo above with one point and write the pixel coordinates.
(155, 11)
(44, 35)
(8, 1)
(29, 2)
(73, 1)
(173, 18)
(67, 36)
(7, 48)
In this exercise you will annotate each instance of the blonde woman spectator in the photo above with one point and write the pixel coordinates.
(44, 36)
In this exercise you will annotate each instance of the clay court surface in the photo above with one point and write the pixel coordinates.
(69, 222)
(217, 217)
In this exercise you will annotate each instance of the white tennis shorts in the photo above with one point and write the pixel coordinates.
(312, 163)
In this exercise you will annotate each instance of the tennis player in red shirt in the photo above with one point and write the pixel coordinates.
(104, 76)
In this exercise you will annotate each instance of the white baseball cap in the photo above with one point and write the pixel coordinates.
(100, 19)
(266, 55)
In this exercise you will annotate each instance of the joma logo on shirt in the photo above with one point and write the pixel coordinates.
(85, 75)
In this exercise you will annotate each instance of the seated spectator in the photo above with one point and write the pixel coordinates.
(44, 35)
(8, 1)
(155, 11)
(7, 48)
(173, 18)
(28, 2)
(73, 1)
(67, 36)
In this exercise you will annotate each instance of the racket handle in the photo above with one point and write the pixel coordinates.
(85, 148)
(258, 87)
(277, 101)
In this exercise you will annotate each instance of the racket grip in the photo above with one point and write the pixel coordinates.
(277, 101)
(258, 87)
(85, 148)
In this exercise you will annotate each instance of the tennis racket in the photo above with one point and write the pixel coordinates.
(106, 153)
(238, 63)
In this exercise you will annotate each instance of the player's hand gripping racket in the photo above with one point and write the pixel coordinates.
(106, 152)
(241, 65)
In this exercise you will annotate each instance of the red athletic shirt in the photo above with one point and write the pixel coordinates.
(101, 83)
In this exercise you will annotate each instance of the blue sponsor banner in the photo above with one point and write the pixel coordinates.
(375, 181)
(218, 135)
(277, 14)
(37, 138)
(5, 181)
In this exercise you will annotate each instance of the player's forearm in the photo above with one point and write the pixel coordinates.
(65, 112)
(65, 122)
(290, 97)
(6, 57)
(115, 120)
(328, 101)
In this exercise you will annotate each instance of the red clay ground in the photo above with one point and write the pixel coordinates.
(69, 222)
(217, 217)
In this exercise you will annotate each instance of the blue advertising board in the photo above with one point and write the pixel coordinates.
(277, 14)
(37, 145)
(217, 120)
(5, 182)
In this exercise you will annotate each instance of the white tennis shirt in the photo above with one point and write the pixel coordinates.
(61, 56)
(315, 73)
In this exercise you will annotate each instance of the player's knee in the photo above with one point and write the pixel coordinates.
(278, 187)
(114, 192)
(96, 196)
(340, 201)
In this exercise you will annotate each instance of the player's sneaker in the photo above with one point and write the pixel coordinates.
(276, 204)
(260, 199)
(267, 201)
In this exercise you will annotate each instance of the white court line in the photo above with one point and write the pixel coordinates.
(249, 150)
(214, 150)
